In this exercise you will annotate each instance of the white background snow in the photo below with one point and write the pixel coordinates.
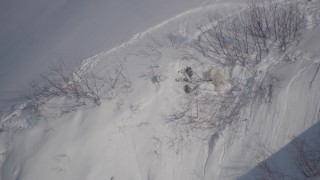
(127, 138)
(37, 33)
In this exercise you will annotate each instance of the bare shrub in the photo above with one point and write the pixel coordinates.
(270, 171)
(257, 22)
(263, 90)
(238, 39)
(153, 74)
(242, 40)
(303, 156)
(76, 87)
(306, 158)
(66, 81)
(175, 41)
(289, 25)
(230, 40)
(205, 110)
(278, 22)
(201, 114)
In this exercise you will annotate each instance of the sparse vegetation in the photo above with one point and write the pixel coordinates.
(305, 158)
(76, 87)
(244, 39)
(68, 82)
(153, 74)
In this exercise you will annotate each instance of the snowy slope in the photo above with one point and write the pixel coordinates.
(129, 137)
(37, 33)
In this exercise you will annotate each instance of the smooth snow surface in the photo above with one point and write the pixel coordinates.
(128, 136)
(36, 33)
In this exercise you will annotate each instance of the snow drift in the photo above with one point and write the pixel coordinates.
(148, 127)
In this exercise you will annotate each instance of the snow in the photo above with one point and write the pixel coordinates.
(129, 136)
(41, 32)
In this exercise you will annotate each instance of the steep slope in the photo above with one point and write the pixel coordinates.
(136, 134)
(38, 33)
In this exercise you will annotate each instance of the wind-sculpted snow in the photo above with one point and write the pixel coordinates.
(181, 115)
(37, 33)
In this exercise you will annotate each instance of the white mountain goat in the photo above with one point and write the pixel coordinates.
(219, 79)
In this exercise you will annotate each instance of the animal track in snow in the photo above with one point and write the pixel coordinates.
(61, 162)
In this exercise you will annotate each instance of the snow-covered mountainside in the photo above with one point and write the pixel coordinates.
(41, 32)
(211, 93)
